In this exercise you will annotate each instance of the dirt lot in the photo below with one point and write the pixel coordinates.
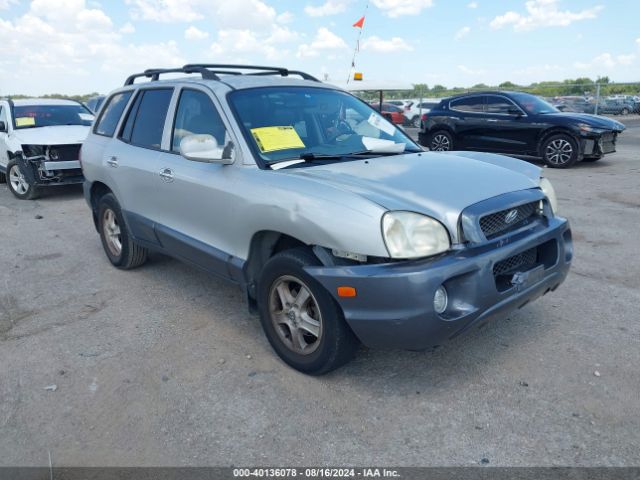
(164, 366)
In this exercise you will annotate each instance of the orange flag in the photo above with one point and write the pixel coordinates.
(359, 23)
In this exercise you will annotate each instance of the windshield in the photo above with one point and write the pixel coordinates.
(31, 116)
(284, 123)
(534, 105)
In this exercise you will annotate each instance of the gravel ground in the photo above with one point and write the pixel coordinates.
(164, 365)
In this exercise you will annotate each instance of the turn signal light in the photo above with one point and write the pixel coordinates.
(346, 292)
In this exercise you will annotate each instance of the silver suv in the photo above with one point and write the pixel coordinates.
(338, 226)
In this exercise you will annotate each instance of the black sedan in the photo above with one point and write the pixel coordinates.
(520, 124)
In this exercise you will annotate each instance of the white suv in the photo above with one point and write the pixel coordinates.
(40, 143)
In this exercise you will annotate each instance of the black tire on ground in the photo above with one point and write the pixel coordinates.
(559, 151)
(441, 141)
(22, 188)
(335, 343)
(113, 230)
(625, 111)
(415, 121)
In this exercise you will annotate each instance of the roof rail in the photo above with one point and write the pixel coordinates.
(210, 71)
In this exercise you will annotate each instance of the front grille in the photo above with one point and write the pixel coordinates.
(64, 152)
(521, 261)
(498, 223)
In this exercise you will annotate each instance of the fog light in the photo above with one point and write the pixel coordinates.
(440, 300)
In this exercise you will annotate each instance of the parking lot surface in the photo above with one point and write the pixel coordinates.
(164, 365)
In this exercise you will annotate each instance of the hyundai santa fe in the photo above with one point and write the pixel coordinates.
(339, 228)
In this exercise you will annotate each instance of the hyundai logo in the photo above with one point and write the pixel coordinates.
(511, 216)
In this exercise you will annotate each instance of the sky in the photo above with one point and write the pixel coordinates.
(81, 46)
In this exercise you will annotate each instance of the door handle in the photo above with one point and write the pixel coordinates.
(166, 174)
(492, 119)
(113, 162)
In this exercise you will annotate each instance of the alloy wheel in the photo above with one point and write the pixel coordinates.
(111, 230)
(17, 180)
(440, 143)
(559, 151)
(295, 315)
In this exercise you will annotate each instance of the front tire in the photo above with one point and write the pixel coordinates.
(120, 248)
(559, 151)
(441, 141)
(303, 323)
(415, 121)
(18, 184)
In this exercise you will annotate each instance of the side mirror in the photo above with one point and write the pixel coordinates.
(3, 127)
(205, 148)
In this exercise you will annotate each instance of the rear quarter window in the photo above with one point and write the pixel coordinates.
(108, 121)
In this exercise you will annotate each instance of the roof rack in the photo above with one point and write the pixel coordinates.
(210, 71)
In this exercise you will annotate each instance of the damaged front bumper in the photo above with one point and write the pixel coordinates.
(596, 145)
(394, 305)
(42, 170)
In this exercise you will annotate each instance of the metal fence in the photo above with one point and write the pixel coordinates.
(599, 98)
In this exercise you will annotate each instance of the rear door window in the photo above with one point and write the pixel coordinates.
(468, 104)
(108, 121)
(146, 118)
(498, 104)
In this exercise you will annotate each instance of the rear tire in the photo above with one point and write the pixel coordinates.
(120, 248)
(415, 121)
(441, 141)
(303, 323)
(625, 111)
(18, 184)
(559, 151)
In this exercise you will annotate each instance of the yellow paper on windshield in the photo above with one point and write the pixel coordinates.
(270, 139)
(25, 121)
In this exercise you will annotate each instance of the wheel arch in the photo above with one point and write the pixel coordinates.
(555, 131)
(97, 191)
(264, 245)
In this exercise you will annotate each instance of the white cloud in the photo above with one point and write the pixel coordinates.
(229, 14)
(543, 13)
(194, 33)
(463, 32)
(57, 44)
(127, 28)
(472, 5)
(330, 7)
(5, 4)
(285, 17)
(606, 61)
(324, 41)
(470, 71)
(397, 8)
(236, 45)
(377, 44)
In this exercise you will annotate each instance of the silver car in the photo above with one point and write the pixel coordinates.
(340, 228)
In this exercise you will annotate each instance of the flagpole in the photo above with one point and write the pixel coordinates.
(357, 48)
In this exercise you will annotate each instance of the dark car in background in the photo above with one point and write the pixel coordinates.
(616, 107)
(574, 104)
(520, 124)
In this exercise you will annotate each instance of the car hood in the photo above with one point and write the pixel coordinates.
(56, 135)
(591, 120)
(440, 185)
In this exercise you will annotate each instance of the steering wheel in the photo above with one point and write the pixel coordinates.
(340, 128)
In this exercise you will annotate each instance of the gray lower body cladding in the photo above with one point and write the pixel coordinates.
(394, 304)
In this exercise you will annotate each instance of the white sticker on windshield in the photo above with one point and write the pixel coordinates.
(381, 124)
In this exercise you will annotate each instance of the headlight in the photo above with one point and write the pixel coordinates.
(550, 193)
(33, 150)
(411, 235)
